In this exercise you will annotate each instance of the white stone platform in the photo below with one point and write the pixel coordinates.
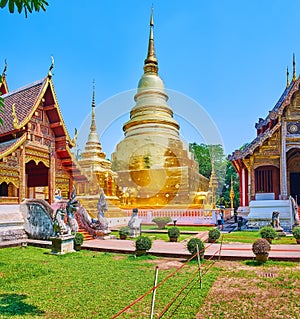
(261, 213)
(11, 223)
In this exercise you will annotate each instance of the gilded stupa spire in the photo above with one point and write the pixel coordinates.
(287, 77)
(93, 127)
(151, 63)
(294, 68)
(93, 138)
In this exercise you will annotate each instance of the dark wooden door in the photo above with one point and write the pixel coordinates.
(295, 186)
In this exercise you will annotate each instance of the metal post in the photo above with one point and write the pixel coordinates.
(220, 249)
(154, 292)
(199, 265)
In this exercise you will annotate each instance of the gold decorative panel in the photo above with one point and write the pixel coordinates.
(37, 156)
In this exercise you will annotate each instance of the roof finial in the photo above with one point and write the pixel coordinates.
(287, 77)
(5, 68)
(150, 64)
(51, 66)
(294, 68)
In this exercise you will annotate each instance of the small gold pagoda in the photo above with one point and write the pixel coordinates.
(97, 169)
(154, 167)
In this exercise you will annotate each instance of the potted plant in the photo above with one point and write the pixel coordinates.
(124, 232)
(261, 248)
(78, 241)
(161, 222)
(192, 246)
(213, 235)
(142, 244)
(173, 233)
(296, 233)
(268, 232)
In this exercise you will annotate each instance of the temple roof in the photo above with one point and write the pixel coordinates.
(25, 100)
(21, 104)
(9, 146)
(275, 109)
(266, 127)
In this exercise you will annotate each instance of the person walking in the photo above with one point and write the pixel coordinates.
(219, 220)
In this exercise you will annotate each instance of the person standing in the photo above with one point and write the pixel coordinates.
(219, 220)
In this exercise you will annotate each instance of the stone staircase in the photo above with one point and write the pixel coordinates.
(86, 235)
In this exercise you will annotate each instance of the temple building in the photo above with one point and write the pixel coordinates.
(269, 167)
(35, 146)
(155, 167)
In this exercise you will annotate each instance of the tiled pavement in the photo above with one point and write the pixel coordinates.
(170, 249)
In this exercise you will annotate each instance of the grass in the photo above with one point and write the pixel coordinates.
(35, 284)
(248, 290)
(250, 236)
(233, 237)
(164, 236)
(182, 228)
(86, 284)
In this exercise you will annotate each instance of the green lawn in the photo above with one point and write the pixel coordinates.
(250, 236)
(182, 228)
(35, 284)
(164, 236)
(235, 236)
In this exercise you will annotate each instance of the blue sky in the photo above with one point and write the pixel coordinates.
(229, 56)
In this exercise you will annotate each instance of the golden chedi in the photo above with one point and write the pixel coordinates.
(155, 168)
(98, 171)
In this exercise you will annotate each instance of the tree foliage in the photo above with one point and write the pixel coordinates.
(203, 155)
(224, 198)
(26, 5)
(223, 169)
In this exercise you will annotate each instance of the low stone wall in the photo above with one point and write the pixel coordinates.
(11, 224)
(12, 235)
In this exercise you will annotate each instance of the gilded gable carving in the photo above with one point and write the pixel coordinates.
(9, 174)
(37, 156)
(271, 147)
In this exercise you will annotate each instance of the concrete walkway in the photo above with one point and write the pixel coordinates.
(233, 251)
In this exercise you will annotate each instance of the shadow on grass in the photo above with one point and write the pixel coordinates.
(14, 305)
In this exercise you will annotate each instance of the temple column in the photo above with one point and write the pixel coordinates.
(52, 176)
(244, 189)
(249, 181)
(23, 179)
(283, 168)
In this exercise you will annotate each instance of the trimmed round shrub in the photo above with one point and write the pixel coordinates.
(143, 243)
(296, 232)
(124, 231)
(214, 234)
(261, 247)
(174, 232)
(192, 246)
(161, 222)
(268, 232)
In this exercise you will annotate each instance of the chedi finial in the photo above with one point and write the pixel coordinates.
(151, 63)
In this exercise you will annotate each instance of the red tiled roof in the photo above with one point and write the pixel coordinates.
(24, 99)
